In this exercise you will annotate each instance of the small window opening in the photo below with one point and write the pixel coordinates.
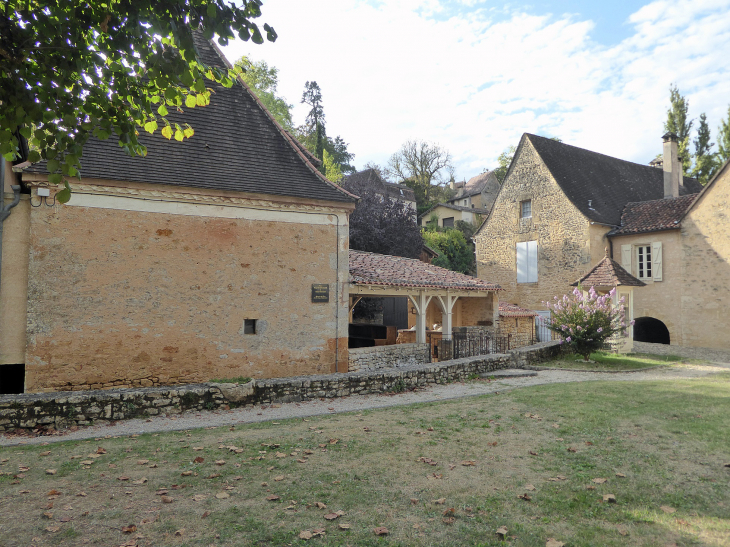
(12, 379)
(249, 326)
(644, 261)
(526, 209)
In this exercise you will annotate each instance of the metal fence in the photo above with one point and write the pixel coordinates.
(472, 344)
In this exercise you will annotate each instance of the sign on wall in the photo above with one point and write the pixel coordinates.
(320, 293)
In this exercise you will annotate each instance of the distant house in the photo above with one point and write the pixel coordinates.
(473, 200)
(559, 208)
(222, 256)
(370, 178)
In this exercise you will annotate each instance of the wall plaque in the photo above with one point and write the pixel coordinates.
(320, 293)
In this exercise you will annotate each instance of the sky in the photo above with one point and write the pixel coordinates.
(473, 76)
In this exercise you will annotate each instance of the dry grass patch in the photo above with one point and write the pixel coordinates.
(448, 473)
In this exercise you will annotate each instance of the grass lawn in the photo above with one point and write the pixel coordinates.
(537, 461)
(605, 361)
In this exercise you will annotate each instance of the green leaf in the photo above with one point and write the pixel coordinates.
(187, 79)
(55, 178)
(162, 110)
(179, 135)
(25, 131)
(190, 101)
(151, 126)
(64, 195)
(53, 166)
(199, 85)
(202, 100)
(34, 156)
(188, 132)
(211, 11)
(167, 132)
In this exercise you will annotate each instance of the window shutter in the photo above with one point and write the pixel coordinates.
(656, 260)
(532, 261)
(626, 258)
(522, 263)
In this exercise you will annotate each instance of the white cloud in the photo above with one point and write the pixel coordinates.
(474, 82)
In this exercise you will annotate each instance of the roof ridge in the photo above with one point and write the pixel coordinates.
(284, 133)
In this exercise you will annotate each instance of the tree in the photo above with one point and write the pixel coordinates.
(264, 81)
(421, 166)
(586, 322)
(678, 124)
(705, 160)
(331, 169)
(504, 160)
(723, 139)
(455, 252)
(382, 225)
(75, 69)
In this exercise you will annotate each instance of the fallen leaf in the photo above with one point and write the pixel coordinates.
(529, 487)
(198, 448)
(533, 453)
(414, 501)
(48, 515)
(205, 515)
(621, 475)
(213, 476)
(50, 471)
(222, 495)
(199, 497)
(667, 509)
(525, 497)
(272, 497)
(609, 498)
(279, 478)
(556, 426)
(552, 542)
(100, 450)
(54, 492)
(502, 532)
(220, 462)
(590, 487)
(305, 534)
(140, 481)
(623, 531)
(46, 453)
(381, 531)
(571, 449)
(320, 505)
(180, 532)
(87, 462)
(52, 529)
(600, 480)
(440, 501)
(302, 461)
(467, 463)
(186, 473)
(167, 499)
(152, 466)
(332, 516)
(129, 529)
(343, 526)
(142, 462)
(123, 478)
(199, 459)
(448, 520)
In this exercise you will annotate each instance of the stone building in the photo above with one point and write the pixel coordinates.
(560, 206)
(472, 202)
(370, 178)
(225, 255)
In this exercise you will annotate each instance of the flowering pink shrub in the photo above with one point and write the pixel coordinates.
(585, 322)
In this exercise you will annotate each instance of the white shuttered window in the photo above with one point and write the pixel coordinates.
(527, 262)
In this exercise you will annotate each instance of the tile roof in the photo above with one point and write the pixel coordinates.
(476, 210)
(513, 310)
(236, 146)
(652, 216)
(371, 178)
(396, 271)
(608, 273)
(609, 183)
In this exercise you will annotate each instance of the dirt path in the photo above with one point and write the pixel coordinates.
(193, 420)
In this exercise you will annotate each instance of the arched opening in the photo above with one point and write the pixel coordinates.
(648, 329)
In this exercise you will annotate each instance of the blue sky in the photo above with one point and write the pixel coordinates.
(473, 76)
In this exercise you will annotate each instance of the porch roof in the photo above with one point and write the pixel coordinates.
(371, 269)
(608, 273)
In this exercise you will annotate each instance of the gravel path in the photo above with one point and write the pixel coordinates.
(193, 420)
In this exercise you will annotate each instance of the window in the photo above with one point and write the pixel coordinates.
(249, 326)
(527, 262)
(448, 222)
(526, 209)
(643, 261)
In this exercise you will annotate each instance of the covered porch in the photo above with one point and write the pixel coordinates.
(435, 295)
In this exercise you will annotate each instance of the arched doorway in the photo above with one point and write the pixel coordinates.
(648, 329)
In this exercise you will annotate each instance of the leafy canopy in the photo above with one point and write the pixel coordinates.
(264, 82)
(70, 70)
(455, 252)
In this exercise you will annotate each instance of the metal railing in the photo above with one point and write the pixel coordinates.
(473, 344)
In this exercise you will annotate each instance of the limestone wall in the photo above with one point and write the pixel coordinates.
(394, 356)
(129, 291)
(567, 244)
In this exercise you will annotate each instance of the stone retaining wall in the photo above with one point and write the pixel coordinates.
(63, 409)
(393, 356)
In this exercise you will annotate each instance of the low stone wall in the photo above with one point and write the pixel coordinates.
(393, 356)
(63, 409)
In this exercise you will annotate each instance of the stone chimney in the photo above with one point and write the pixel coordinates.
(672, 166)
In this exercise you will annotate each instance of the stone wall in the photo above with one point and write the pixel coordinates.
(127, 292)
(393, 356)
(521, 330)
(567, 244)
(61, 409)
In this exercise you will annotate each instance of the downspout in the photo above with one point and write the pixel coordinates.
(337, 295)
(5, 211)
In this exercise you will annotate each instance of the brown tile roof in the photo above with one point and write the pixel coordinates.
(652, 216)
(608, 273)
(512, 310)
(396, 271)
(475, 210)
